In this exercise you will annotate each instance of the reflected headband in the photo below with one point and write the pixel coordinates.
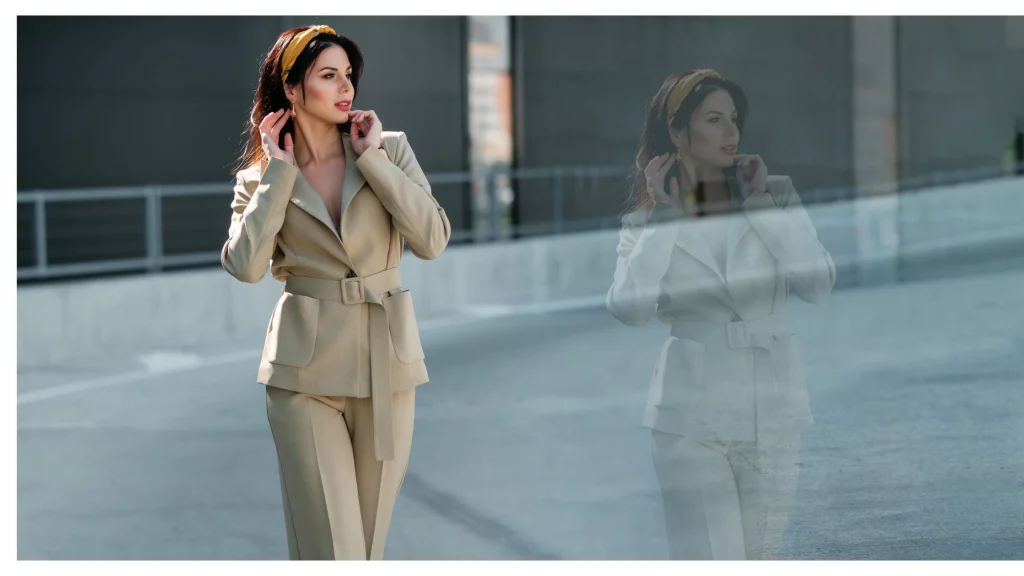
(684, 87)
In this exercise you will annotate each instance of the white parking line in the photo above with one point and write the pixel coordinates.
(130, 377)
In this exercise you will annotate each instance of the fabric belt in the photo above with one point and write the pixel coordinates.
(766, 332)
(757, 333)
(365, 290)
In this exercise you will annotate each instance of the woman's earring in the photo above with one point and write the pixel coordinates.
(294, 113)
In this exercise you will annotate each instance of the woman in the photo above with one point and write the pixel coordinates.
(328, 199)
(712, 245)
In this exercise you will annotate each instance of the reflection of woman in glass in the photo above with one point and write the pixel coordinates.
(712, 244)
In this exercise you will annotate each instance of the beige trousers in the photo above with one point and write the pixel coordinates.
(712, 498)
(726, 502)
(780, 465)
(338, 498)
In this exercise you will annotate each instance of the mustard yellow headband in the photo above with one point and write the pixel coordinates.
(297, 44)
(683, 89)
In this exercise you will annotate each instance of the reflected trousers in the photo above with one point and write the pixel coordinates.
(726, 502)
(338, 498)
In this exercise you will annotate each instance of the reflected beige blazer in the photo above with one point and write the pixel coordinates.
(730, 369)
(344, 325)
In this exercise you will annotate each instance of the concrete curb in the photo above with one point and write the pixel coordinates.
(72, 322)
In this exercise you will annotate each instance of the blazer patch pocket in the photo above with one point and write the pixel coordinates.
(292, 335)
(405, 337)
(789, 376)
(683, 373)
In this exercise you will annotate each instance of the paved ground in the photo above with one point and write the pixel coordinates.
(528, 441)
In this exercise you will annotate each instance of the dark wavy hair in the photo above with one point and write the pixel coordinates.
(655, 139)
(270, 95)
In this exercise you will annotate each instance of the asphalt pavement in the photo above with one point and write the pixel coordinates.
(528, 443)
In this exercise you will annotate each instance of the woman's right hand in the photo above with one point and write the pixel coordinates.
(655, 172)
(270, 130)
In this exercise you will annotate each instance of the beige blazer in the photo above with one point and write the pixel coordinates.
(344, 325)
(730, 370)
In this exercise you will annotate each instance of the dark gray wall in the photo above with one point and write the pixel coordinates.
(961, 86)
(130, 101)
(586, 83)
(110, 101)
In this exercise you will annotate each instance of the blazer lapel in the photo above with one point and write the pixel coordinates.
(305, 197)
(354, 179)
(738, 226)
(692, 241)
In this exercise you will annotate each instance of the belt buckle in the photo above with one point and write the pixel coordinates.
(737, 335)
(352, 290)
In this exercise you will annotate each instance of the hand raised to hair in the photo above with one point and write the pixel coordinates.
(270, 131)
(365, 130)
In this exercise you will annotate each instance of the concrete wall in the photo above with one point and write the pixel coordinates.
(876, 140)
(128, 101)
(63, 324)
(961, 87)
(584, 84)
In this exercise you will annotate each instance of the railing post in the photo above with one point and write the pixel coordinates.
(478, 196)
(556, 199)
(41, 255)
(492, 199)
(154, 229)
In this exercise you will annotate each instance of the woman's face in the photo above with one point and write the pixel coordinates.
(714, 134)
(329, 89)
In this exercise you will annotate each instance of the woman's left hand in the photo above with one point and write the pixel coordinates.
(750, 168)
(365, 130)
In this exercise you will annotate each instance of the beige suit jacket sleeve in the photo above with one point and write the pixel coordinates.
(405, 193)
(258, 214)
(643, 256)
(783, 225)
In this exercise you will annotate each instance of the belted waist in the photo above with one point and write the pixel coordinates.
(372, 290)
(352, 290)
(770, 333)
(737, 334)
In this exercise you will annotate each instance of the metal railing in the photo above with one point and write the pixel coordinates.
(489, 223)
